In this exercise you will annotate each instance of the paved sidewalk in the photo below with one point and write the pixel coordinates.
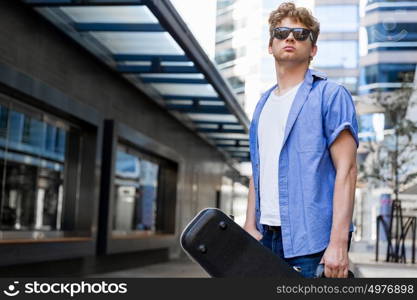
(179, 268)
(365, 266)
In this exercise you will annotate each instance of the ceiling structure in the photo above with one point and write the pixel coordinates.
(148, 43)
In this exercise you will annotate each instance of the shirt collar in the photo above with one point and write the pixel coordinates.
(312, 72)
(318, 74)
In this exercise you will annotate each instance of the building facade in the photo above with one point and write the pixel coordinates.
(338, 43)
(391, 29)
(96, 173)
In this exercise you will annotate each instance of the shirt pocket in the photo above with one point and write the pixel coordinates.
(310, 140)
(309, 132)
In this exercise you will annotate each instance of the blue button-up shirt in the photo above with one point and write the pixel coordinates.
(320, 111)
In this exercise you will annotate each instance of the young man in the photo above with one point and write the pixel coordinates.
(303, 141)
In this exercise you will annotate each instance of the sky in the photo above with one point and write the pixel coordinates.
(200, 17)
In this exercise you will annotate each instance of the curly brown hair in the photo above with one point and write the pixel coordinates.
(299, 14)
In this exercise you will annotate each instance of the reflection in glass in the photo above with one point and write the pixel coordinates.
(32, 163)
(136, 186)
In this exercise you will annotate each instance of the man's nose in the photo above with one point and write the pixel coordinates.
(290, 37)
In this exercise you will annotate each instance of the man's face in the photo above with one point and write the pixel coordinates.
(289, 50)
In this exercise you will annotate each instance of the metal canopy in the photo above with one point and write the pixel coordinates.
(148, 43)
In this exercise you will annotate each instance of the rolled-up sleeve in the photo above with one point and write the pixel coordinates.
(340, 115)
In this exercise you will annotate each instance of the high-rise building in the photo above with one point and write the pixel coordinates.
(233, 35)
(338, 43)
(391, 28)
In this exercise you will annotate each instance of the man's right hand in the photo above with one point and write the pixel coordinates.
(253, 232)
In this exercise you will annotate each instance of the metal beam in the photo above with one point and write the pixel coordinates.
(217, 130)
(240, 154)
(246, 147)
(82, 2)
(243, 153)
(48, 1)
(173, 80)
(236, 151)
(236, 144)
(216, 122)
(184, 97)
(230, 139)
(201, 109)
(241, 158)
(150, 57)
(119, 27)
(158, 70)
(225, 145)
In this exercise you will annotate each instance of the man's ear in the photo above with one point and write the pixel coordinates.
(270, 49)
(313, 51)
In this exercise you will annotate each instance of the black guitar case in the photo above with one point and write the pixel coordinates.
(224, 249)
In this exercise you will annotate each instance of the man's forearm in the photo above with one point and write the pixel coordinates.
(343, 202)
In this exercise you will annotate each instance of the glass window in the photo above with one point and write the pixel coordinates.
(389, 47)
(33, 148)
(336, 54)
(387, 72)
(375, 1)
(224, 30)
(392, 32)
(225, 56)
(224, 3)
(236, 82)
(136, 187)
(229, 54)
(337, 18)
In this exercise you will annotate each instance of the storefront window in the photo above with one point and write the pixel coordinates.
(136, 187)
(32, 168)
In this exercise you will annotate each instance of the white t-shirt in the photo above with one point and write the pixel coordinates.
(271, 130)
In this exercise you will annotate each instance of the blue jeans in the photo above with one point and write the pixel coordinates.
(307, 264)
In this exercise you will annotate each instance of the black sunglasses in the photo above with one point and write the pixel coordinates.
(300, 34)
